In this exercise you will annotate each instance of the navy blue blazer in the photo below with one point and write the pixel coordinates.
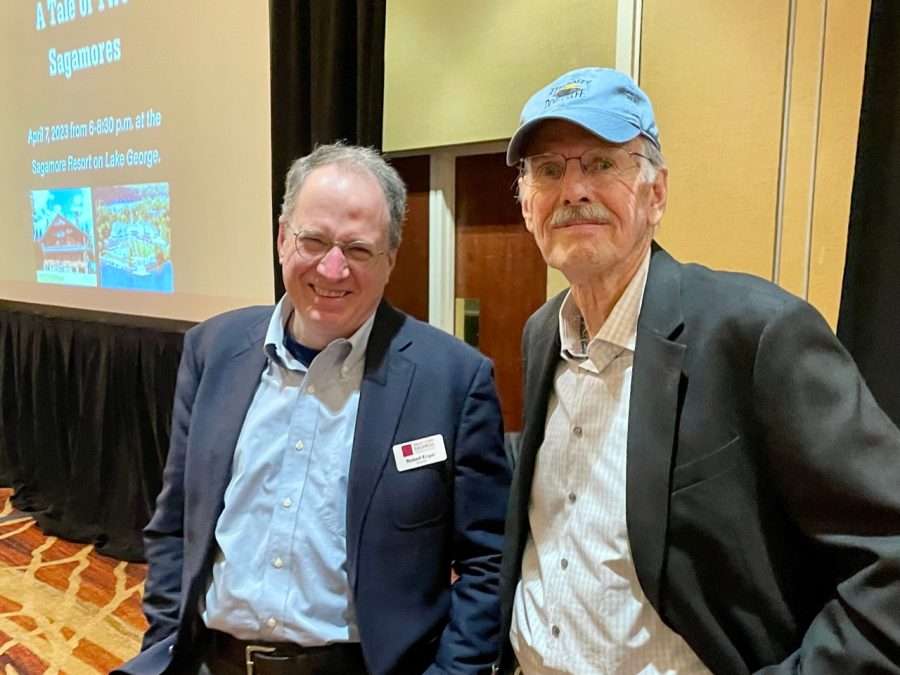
(404, 530)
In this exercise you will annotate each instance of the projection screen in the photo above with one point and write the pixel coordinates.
(136, 165)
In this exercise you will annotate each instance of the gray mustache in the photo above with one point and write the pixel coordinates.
(566, 214)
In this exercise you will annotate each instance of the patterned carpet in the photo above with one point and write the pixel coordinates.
(63, 607)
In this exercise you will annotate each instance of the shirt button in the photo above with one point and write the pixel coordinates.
(287, 502)
(572, 497)
(564, 563)
(299, 445)
(554, 631)
(278, 563)
(310, 389)
(577, 431)
(271, 622)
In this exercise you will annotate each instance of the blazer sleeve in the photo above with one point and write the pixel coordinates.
(835, 458)
(164, 535)
(470, 640)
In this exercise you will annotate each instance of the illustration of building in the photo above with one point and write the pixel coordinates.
(64, 246)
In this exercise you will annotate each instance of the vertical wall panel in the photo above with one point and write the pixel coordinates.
(846, 31)
(803, 137)
(825, 92)
(715, 72)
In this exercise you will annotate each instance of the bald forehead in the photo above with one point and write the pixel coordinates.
(553, 134)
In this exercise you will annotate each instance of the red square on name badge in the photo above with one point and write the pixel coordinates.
(407, 450)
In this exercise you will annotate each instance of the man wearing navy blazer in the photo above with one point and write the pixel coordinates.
(332, 460)
(704, 483)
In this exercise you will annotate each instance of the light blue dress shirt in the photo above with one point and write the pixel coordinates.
(280, 572)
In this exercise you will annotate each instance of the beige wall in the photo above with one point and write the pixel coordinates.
(459, 72)
(757, 104)
(758, 108)
(717, 98)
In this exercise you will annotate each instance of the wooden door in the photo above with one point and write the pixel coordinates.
(499, 271)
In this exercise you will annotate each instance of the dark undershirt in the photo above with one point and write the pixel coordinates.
(302, 353)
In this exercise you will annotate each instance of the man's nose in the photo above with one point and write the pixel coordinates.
(333, 265)
(575, 185)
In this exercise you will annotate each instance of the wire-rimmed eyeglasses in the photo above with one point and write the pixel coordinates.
(313, 246)
(547, 169)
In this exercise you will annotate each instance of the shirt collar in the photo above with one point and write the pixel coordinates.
(620, 327)
(354, 350)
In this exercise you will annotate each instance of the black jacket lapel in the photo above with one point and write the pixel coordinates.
(543, 357)
(541, 345)
(653, 413)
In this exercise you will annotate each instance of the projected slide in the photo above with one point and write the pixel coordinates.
(120, 230)
(139, 167)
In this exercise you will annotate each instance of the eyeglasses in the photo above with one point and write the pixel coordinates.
(312, 246)
(548, 169)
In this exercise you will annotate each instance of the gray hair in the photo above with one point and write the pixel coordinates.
(655, 160)
(353, 157)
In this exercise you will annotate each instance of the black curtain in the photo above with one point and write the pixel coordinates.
(327, 68)
(869, 321)
(85, 417)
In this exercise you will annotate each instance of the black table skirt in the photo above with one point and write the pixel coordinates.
(84, 428)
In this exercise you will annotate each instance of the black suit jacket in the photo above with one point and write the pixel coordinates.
(763, 481)
(404, 529)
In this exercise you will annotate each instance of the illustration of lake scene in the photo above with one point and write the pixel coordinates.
(134, 239)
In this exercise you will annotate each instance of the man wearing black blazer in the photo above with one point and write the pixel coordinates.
(332, 461)
(704, 483)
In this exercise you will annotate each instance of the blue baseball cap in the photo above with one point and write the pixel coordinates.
(603, 101)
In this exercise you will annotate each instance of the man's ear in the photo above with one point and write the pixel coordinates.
(659, 194)
(283, 242)
(392, 259)
(523, 194)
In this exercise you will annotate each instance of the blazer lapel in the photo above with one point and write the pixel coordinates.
(237, 379)
(543, 357)
(653, 412)
(383, 393)
(241, 379)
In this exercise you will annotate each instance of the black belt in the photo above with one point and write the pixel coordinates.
(258, 657)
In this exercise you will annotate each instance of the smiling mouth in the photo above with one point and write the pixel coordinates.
(328, 293)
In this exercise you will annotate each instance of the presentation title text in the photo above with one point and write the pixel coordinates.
(53, 13)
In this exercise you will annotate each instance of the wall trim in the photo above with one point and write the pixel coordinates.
(442, 240)
(628, 37)
(784, 143)
(817, 133)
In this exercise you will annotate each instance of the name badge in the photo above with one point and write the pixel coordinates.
(420, 452)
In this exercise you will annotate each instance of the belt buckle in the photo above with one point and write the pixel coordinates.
(250, 651)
